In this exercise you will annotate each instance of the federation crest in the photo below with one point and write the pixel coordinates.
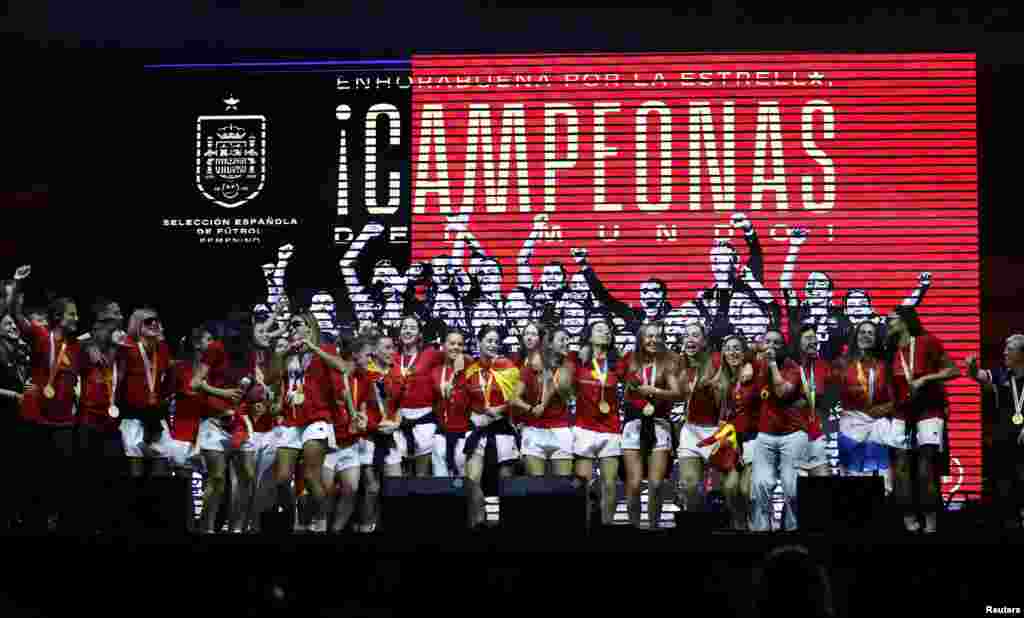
(231, 157)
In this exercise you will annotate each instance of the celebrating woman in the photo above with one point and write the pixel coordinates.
(652, 387)
(920, 365)
(451, 407)
(358, 415)
(702, 411)
(144, 360)
(492, 382)
(307, 403)
(412, 373)
(15, 361)
(543, 404)
(865, 394)
(597, 435)
(734, 395)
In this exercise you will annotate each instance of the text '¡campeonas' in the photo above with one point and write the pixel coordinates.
(711, 136)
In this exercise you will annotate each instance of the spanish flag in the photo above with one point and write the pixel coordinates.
(725, 452)
(506, 374)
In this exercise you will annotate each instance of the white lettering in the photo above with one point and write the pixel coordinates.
(768, 137)
(602, 151)
(342, 112)
(664, 155)
(828, 170)
(394, 176)
(551, 164)
(432, 139)
(722, 177)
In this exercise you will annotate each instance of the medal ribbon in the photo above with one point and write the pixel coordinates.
(407, 369)
(112, 382)
(150, 369)
(810, 389)
(1018, 401)
(486, 389)
(908, 370)
(869, 384)
(601, 375)
(55, 358)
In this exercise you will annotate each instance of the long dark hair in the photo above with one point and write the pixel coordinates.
(854, 351)
(586, 353)
(910, 317)
(639, 358)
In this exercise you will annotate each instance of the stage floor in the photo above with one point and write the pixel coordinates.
(495, 570)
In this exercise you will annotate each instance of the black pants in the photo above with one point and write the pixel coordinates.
(47, 464)
(99, 467)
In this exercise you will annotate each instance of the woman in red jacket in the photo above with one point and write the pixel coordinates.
(597, 434)
(308, 403)
(650, 373)
(144, 389)
(736, 397)
(358, 416)
(700, 366)
(543, 403)
(492, 381)
(451, 407)
(412, 370)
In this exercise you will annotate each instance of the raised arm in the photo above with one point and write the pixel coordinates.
(348, 261)
(600, 292)
(755, 255)
(17, 310)
(797, 237)
(924, 281)
(524, 276)
(976, 373)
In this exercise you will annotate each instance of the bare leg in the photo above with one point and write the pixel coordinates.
(535, 466)
(657, 467)
(609, 476)
(634, 477)
(346, 485)
(691, 478)
(244, 464)
(584, 469)
(313, 461)
(214, 490)
(371, 490)
(474, 472)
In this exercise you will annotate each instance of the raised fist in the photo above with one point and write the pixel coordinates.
(741, 222)
(798, 236)
(458, 222)
(925, 279)
(22, 272)
(578, 254)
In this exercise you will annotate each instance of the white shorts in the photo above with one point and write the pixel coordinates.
(814, 456)
(424, 433)
(132, 434)
(439, 457)
(183, 453)
(213, 437)
(929, 433)
(554, 443)
(691, 435)
(296, 437)
(344, 458)
(748, 450)
(595, 445)
(662, 435)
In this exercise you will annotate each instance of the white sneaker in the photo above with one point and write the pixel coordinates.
(929, 523)
(911, 524)
(300, 528)
(318, 526)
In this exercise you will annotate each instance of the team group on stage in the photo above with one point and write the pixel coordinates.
(292, 415)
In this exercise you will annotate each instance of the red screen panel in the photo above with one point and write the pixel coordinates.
(644, 160)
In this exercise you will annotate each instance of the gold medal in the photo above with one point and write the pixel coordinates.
(113, 411)
(649, 409)
(48, 392)
(604, 407)
(1018, 418)
(298, 398)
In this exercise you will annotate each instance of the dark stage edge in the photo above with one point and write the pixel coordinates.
(607, 572)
